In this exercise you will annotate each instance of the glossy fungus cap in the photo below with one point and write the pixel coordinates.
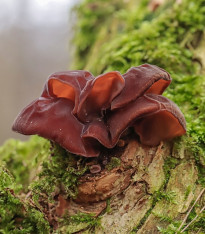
(81, 112)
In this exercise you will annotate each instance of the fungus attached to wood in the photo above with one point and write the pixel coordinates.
(95, 168)
(81, 112)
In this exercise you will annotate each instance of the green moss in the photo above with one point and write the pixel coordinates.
(9, 204)
(153, 38)
(108, 207)
(17, 216)
(21, 158)
(188, 190)
(167, 196)
(171, 229)
(90, 219)
(164, 196)
(201, 175)
(92, 17)
(169, 164)
(198, 226)
(114, 162)
(163, 218)
(142, 221)
(35, 222)
(60, 170)
(199, 222)
(79, 222)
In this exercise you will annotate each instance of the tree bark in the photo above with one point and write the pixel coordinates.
(140, 190)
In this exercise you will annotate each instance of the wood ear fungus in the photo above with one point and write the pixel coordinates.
(81, 112)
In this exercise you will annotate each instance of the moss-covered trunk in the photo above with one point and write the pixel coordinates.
(137, 189)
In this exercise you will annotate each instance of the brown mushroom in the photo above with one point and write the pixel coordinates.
(139, 80)
(154, 118)
(98, 95)
(81, 112)
(95, 169)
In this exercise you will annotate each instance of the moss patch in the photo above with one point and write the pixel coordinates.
(17, 216)
(22, 158)
(114, 162)
(79, 222)
(60, 171)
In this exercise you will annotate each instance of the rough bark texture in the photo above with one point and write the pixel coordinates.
(132, 189)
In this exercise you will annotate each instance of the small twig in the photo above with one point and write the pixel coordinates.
(193, 219)
(185, 218)
(28, 195)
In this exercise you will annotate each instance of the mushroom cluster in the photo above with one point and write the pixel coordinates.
(81, 112)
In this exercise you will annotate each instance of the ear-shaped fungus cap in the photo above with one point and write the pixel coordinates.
(98, 95)
(154, 118)
(145, 78)
(68, 84)
(54, 114)
(81, 112)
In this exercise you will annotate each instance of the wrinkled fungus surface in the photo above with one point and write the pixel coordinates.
(82, 112)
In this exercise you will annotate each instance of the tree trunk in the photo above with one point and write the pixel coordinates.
(140, 195)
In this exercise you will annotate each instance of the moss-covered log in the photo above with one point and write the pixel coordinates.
(137, 189)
